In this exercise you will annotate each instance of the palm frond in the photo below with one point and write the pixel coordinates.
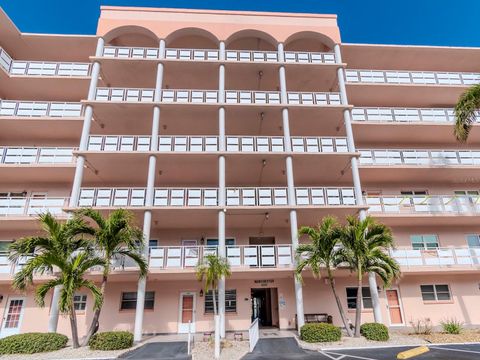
(465, 112)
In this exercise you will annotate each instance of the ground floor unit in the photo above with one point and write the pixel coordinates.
(174, 301)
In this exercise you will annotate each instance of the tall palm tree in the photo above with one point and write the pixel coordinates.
(365, 245)
(115, 238)
(322, 252)
(64, 253)
(210, 272)
(465, 110)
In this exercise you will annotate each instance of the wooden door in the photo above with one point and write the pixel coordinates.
(394, 307)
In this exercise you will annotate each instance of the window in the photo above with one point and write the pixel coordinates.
(424, 242)
(129, 300)
(152, 243)
(352, 298)
(80, 302)
(214, 242)
(422, 192)
(230, 301)
(473, 240)
(435, 292)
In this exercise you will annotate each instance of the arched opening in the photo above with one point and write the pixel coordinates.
(251, 40)
(131, 35)
(192, 38)
(309, 41)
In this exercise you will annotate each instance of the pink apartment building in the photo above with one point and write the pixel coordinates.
(224, 132)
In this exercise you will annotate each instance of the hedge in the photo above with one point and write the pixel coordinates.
(31, 343)
(320, 332)
(111, 340)
(374, 331)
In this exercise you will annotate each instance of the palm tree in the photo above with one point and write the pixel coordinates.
(210, 272)
(64, 253)
(365, 245)
(322, 252)
(465, 110)
(115, 237)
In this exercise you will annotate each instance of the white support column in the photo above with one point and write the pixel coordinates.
(347, 117)
(221, 184)
(79, 166)
(290, 182)
(149, 193)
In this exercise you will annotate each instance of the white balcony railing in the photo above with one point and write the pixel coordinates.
(448, 257)
(412, 77)
(31, 206)
(214, 55)
(8, 267)
(211, 96)
(33, 155)
(5, 60)
(43, 68)
(419, 157)
(40, 109)
(182, 257)
(423, 204)
(208, 197)
(210, 144)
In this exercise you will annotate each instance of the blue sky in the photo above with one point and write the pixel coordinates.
(416, 22)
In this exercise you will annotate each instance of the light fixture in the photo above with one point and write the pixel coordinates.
(201, 292)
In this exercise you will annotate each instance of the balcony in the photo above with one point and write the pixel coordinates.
(447, 259)
(7, 268)
(425, 209)
(27, 79)
(414, 88)
(21, 120)
(406, 125)
(419, 165)
(234, 144)
(21, 212)
(208, 197)
(248, 257)
(232, 97)
(32, 164)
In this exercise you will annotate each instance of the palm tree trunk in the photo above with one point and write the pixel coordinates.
(214, 302)
(339, 304)
(73, 324)
(96, 315)
(358, 312)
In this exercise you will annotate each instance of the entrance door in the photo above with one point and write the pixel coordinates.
(394, 307)
(186, 312)
(12, 319)
(265, 306)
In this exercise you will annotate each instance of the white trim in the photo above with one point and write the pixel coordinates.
(180, 306)
(400, 304)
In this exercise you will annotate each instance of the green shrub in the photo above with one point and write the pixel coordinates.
(452, 326)
(374, 331)
(31, 343)
(111, 340)
(320, 332)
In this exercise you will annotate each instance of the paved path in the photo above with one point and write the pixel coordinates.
(175, 350)
(287, 348)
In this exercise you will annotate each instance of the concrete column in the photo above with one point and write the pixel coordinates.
(221, 184)
(290, 182)
(149, 193)
(79, 166)
(347, 117)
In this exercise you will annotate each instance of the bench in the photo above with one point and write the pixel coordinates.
(315, 318)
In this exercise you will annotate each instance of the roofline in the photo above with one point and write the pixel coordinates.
(217, 12)
(61, 35)
(414, 46)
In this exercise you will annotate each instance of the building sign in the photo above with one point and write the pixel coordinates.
(264, 282)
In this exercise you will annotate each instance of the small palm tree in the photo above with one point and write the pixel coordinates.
(465, 112)
(322, 252)
(210, 272)
(115, 237)
(365, 245)
(64, 253)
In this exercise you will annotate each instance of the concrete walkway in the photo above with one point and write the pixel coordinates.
(280, 348)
